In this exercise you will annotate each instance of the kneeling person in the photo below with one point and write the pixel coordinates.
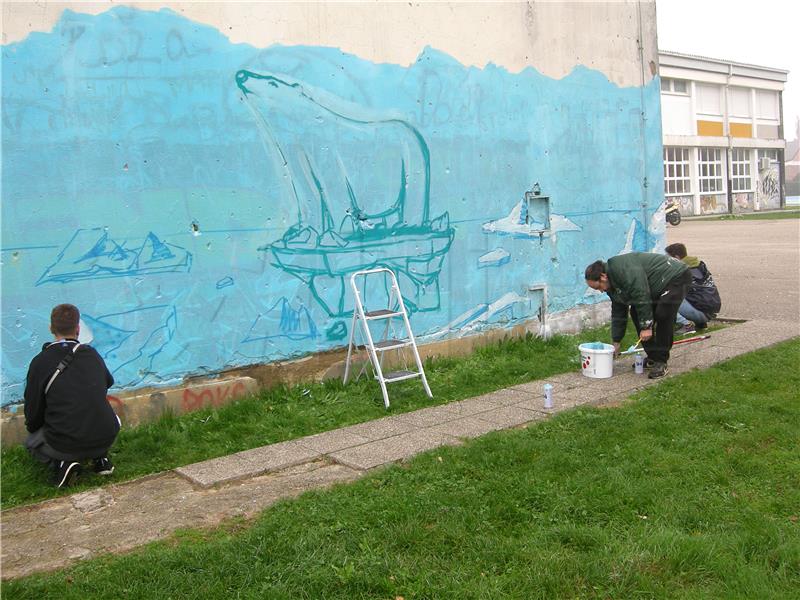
(67, 414)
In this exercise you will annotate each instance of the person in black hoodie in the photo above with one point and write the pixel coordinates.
(67, 414)
(702, 302)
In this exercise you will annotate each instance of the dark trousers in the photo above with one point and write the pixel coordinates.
(665, 309)
(39, 449)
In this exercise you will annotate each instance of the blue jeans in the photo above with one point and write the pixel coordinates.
(690, 313)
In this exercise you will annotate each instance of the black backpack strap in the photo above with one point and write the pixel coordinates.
(62, 367)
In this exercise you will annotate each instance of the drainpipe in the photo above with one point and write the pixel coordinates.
(642, 124)
(781, 154)
(729, 151)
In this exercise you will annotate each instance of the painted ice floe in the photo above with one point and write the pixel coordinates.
(629, 239)
(658, 229)
(496, 258)
(478, 316)
(138, 337)
(514, 224)
(283, 320)
(93, 254)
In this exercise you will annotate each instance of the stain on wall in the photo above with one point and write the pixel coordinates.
(204, 202)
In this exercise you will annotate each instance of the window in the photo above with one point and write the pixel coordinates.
(710, 166)
(708, 99)
(674, 86)
(767, 158)
(740, 102)
(676, 171)
(770, 154)
(767, 105)
(740, 170)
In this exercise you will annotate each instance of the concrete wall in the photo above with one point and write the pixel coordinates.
(201, 178)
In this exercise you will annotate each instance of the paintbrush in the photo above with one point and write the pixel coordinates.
(634, 349)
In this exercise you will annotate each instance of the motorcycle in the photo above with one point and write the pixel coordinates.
(672, 212)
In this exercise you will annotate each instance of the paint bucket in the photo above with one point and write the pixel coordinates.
(597, 360)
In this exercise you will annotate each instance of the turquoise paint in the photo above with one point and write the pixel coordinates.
(134, 128)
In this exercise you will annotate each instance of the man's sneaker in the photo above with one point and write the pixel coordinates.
(66, 473)
(102, 466)
(686, 329)
(659, 369)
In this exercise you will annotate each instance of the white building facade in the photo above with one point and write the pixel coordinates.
(723, 134)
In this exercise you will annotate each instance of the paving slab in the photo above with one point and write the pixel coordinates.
(389, 450)
(330, 441)
(248, 463)
(467, 427)
(512, 416)
(382, 428)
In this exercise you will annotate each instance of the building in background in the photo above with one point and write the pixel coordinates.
(723, 134)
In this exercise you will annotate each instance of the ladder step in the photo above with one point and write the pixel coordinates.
(398, 376)
(384, 313)
(391, 345)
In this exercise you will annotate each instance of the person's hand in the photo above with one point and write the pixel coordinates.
(616, 348)
(645, 334)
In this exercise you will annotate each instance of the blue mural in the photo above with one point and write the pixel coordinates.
(204, 202)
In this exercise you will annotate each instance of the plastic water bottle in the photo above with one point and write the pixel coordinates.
(638, 364)
(548, 395)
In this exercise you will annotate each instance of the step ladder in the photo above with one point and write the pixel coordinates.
(376, 349)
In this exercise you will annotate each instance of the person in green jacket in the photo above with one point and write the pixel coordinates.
(651, 287)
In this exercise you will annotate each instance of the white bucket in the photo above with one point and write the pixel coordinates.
(597, 360)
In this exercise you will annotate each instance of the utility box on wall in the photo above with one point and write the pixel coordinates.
(537, 210)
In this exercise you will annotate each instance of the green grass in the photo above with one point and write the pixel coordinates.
(286, 413)
(691, 490)
(781, 214)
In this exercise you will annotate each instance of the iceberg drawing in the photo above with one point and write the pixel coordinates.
(360, 186)
(496, 258)
(478, 316)
(283, 321)
(514, 224)
(133, 339)
(93, 254)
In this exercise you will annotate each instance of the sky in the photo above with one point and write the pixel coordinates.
(764, 33)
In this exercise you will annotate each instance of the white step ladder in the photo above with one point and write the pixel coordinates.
(386, 342)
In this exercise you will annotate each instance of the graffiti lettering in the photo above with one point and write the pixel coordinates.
(216, 396)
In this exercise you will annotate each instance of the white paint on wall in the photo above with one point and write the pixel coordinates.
(513, 35)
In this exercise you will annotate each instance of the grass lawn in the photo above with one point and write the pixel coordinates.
(690, 490)
(286, 413)
(782, 214)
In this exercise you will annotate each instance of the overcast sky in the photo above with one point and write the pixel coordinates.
(764, 32)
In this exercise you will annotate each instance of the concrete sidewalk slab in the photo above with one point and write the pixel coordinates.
(467, 427)
(336, 439)
(248, 463)
(393, 449)
(511, 416)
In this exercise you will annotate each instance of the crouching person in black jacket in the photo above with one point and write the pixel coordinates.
(67, 414)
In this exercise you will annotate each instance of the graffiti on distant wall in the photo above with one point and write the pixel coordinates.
(768, 191)
(204, 203)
